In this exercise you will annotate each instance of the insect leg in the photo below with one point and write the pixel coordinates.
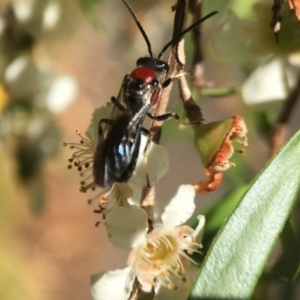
(167, 116)
(146, 132)
(117, 104)
(115, 100)
(169, 80)
(104, 121)
(164, 117)
(166, 82)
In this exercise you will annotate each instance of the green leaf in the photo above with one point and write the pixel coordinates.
(264, 123)
(288, 264)
(218, 212)
(242, 246)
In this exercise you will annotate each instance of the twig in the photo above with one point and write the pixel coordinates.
(135, 290)
(197, 69)
(176, 66)
(192, 109)
(147, 203)
(278, 136)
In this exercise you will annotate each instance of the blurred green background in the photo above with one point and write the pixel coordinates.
(60, 60)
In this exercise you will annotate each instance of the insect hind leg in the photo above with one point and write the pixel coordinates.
(168, 116)
(103, 121)
(164, 117)
(148, 134)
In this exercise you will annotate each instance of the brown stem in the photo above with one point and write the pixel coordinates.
(176, 63)
(197, 69)
(147, 203)
(176, 66)
(278, 136)
(135, 290)
(192, 109)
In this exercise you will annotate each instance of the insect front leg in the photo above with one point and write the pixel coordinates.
(169, 80)
(166, 82)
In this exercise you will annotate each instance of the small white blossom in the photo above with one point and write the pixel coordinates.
(271, 81)
(162, 255)
(62, 92)
(180, 208)
(126, 225)
(151, 164)
(107, 285)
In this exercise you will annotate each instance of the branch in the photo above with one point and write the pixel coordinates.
(197, 69)
(135, 290)
(278, 136)
(176, 63)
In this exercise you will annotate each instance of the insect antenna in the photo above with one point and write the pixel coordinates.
(176, 38)
(137, 22)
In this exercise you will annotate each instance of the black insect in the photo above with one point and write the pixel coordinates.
(120, 136)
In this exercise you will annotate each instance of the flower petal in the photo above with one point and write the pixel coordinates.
(98, 114)
(153, 164)
(198, 232)
(126, 225)
(267, 82)
(181, 292)
(112, 284)
(180, 208)
(136, 195)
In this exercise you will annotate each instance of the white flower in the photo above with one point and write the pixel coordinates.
(22, 78)
(150, 167)
(160, 258)
(271, 81)
(62, 92)
(106, 285)
(125, 224)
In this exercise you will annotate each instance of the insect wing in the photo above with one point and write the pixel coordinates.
(118, 144)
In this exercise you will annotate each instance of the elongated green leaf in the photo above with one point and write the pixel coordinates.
(242, 246)
(288, 265)
(219, 211)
